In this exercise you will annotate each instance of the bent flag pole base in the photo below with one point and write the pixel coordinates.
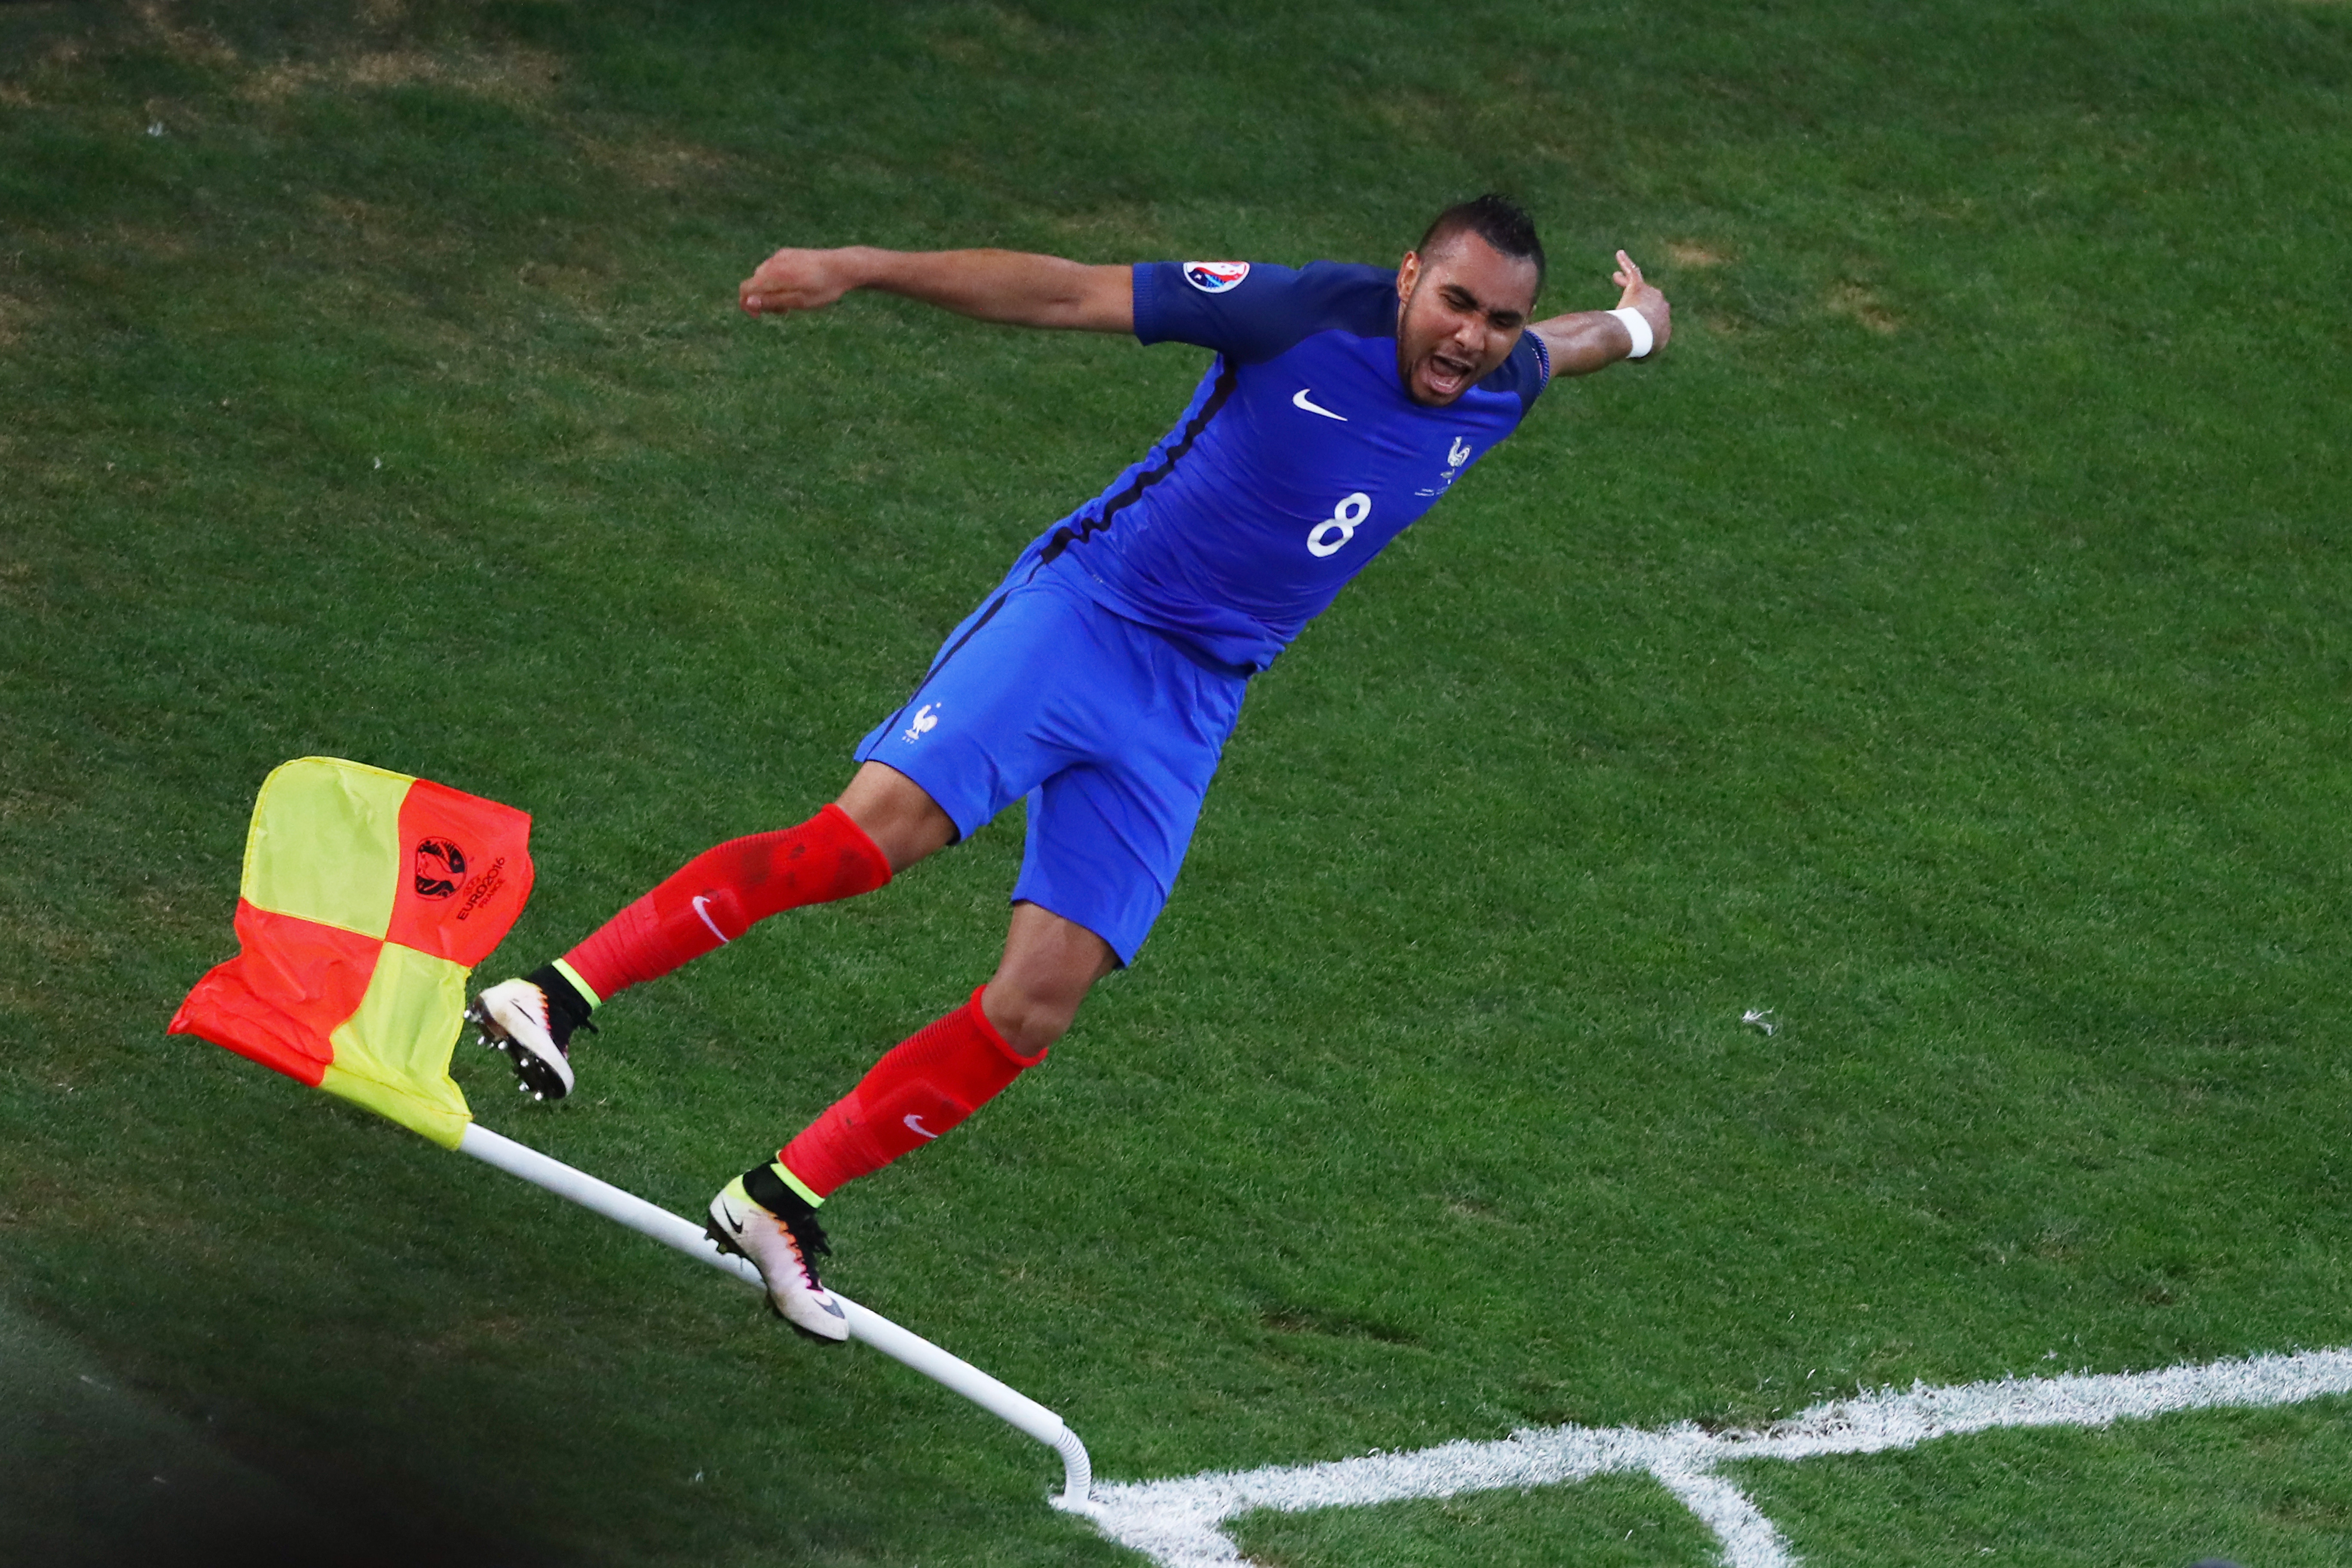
(1007, 1404)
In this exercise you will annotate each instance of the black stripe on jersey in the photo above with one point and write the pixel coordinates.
(1063, 538)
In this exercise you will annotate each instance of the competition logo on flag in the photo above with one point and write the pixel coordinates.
(1215, 277)
(367, 897)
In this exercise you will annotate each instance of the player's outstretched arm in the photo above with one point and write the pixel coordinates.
(1009, 286)
(1587, 341)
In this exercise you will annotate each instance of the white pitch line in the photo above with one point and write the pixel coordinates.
(1748, 1539)
(1179, 1523)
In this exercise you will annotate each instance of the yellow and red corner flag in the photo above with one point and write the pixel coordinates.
(367, 897)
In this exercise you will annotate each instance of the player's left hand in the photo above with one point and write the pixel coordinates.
(1644, 296)
(795, 279)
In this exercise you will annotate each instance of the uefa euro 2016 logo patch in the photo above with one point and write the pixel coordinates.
(440, 867)
(1215, 277)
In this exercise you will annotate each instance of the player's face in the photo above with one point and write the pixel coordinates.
(1463, 307)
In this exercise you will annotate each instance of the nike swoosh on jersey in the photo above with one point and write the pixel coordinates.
(1303, 401)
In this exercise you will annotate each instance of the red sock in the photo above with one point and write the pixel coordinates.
(925, 1085)
(717, 896)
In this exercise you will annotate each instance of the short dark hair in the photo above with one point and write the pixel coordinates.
(1496, 219)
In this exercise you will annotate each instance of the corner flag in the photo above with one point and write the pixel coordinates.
(367, 898)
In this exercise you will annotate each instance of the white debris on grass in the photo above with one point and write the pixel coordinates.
(1762, 1017)
(1179, 1523)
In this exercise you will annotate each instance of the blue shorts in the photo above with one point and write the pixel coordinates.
(1110, 732)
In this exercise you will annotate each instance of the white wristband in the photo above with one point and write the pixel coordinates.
(1637, 326)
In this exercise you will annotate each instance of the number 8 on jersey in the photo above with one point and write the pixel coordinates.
(1331, 536)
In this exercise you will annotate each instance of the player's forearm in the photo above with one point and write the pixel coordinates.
(1009, 286)
(1585, 341)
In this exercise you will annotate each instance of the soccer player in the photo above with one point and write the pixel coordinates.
(1100, 678)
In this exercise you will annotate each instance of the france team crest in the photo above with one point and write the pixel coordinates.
(1215, 277)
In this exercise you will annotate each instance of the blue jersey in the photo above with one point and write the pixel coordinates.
(1298, 458)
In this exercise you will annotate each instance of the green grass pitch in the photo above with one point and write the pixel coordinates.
(1947, 646)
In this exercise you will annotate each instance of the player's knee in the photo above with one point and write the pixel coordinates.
(1049, 965)
(1029, 1015)
(892, 810)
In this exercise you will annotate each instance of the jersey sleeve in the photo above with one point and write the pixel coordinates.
(1253, 311)
(1526, 373)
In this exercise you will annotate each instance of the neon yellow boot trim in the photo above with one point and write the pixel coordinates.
(796, 1185)
(578, 984)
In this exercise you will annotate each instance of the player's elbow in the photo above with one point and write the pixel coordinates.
(1101, 300)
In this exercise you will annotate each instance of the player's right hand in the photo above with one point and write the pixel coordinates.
(1643, 296)
(796, 280)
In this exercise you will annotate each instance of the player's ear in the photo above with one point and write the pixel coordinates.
(1408, 271)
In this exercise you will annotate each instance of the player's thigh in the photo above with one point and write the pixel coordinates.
(1012, 698)
(1106, 838)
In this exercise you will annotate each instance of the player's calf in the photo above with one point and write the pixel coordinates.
(707, 903)
(925, 1086)
(721, 894)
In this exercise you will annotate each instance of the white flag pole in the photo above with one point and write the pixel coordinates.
(1007, 1404)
